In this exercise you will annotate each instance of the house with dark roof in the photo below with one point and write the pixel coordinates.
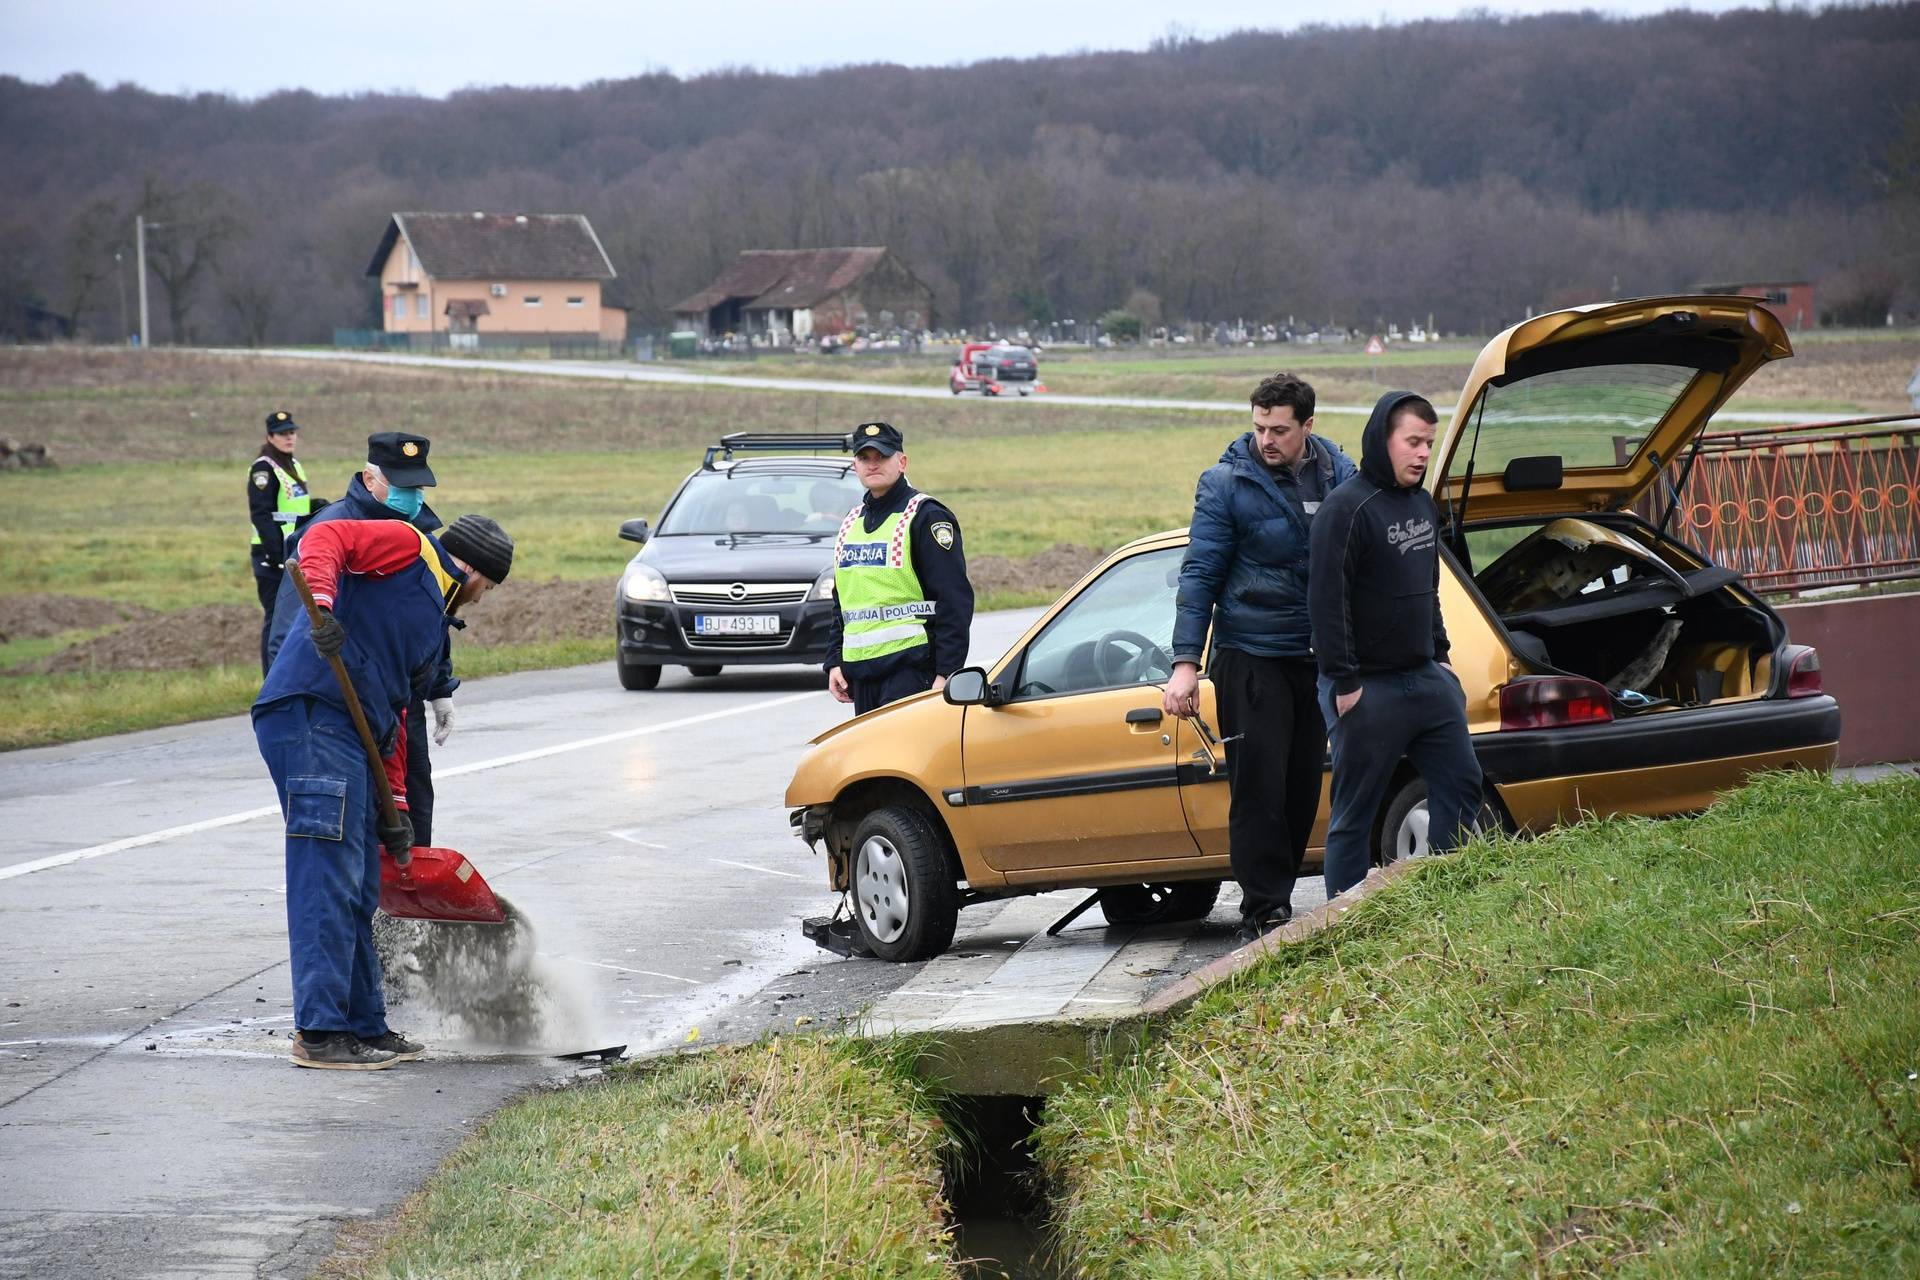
(495, 275)
(786, 295)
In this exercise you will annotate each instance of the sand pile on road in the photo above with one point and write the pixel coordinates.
(34, 617)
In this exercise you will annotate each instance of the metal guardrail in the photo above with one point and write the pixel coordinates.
(1794, 508)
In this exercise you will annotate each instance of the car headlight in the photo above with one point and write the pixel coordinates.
(822, 587)
(645, 583)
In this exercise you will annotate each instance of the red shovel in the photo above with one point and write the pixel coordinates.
(428, 884)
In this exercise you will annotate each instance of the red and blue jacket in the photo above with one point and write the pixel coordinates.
(389, 584)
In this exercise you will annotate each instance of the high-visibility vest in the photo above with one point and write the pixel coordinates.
(293, 500)
(882, 606)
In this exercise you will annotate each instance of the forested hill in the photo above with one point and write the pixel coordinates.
(1467, 167)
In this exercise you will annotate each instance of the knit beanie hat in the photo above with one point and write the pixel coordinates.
(481, 542)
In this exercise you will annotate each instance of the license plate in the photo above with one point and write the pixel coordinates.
(736, 624)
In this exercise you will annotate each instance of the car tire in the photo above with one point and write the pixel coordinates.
(705, 669)
(1144, 904)
(905, 902)
(636, 675)
(955, 390)
(1403, 827)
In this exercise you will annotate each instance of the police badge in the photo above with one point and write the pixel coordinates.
(943, 534)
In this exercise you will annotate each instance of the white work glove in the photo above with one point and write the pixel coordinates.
(442, 720)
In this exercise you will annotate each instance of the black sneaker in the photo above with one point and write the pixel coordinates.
(338, 1051)
(1252, 930)
(402, 1049)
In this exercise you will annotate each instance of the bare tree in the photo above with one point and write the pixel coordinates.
(196, 224)
(97, 230)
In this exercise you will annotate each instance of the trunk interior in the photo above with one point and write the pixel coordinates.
(1578, 597)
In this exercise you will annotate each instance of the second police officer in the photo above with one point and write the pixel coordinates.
(277, 498)
(900, 583)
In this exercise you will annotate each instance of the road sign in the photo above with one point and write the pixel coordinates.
(1375, 347)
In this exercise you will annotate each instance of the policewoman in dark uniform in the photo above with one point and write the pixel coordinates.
(277, 498)
(900, 580)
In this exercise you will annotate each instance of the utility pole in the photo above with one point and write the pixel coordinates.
(140, 260)
(120, 279)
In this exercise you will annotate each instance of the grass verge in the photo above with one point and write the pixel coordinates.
(1640, 1048)
(40, 710)
(792, 1158)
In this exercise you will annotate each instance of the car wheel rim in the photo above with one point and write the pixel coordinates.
(1410, 841)
(881, 889)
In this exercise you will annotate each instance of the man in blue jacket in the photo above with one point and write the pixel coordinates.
(391, 486)
(1245, 575)
(1385, 684)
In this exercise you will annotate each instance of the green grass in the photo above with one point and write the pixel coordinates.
(1682, 1048)
(794, 1158)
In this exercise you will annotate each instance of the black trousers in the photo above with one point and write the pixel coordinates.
(419, 772)
(891, 687)
(267, 583)
(1273, 773)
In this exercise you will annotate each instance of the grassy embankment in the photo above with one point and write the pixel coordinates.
(560, 463)
(1682, 1048)
(794, 1159)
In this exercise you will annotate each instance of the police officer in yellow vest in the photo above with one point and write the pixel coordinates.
(900, 579)
(277, 497)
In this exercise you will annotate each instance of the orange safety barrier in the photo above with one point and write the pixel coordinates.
(1796, 507)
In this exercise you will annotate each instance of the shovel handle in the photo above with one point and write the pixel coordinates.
(389, 812)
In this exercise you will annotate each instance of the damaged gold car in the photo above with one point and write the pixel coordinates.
(1608, 666)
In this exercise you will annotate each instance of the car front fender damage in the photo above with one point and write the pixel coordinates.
(813, 824)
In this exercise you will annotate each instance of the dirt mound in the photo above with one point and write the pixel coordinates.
(34, 617)
(1055, 569)
(204, 636)
(525, 612)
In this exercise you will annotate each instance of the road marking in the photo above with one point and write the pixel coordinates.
(647, 844)
(748, 866)
(498, 762)
(620, 968)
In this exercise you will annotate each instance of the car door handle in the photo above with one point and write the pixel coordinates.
(1144, 715)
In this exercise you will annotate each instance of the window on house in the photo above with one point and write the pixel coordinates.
(420, 305)
(399, 306)
(533, 299)
(576, 302)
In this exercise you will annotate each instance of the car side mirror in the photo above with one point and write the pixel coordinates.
(967, 687)
(634, 530)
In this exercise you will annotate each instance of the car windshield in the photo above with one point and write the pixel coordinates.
(720, 502)
(1591, 417)
(1011, 353)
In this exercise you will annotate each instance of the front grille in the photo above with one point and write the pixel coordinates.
(752, 595)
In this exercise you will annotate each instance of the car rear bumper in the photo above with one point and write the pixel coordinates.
(1654, 764)
(665, 634)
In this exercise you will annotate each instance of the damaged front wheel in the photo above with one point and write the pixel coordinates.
(904, 898)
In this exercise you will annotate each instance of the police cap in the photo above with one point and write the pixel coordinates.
(279, 421)
(401, 457)
(883, 436)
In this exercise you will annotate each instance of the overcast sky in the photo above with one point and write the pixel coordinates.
(253, 47)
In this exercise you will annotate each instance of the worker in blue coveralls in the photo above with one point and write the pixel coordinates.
(384, 590)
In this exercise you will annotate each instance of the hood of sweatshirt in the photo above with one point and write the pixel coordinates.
(1375, 465)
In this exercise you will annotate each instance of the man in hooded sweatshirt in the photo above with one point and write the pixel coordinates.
(1385, 686)
(1245, 574)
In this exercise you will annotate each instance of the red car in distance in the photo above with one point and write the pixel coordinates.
(995, 369)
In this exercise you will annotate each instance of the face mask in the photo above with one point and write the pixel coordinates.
(405, 500)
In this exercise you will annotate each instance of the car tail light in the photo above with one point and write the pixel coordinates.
(1548, 702)
(1803, 672)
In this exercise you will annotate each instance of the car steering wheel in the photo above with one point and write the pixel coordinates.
(1114, 665)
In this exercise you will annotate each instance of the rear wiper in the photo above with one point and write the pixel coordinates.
(1460, 501)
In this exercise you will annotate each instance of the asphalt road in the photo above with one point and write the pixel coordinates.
(935, 389)
(149, 1121)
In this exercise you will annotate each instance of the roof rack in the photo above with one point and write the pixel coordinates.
(773, 442)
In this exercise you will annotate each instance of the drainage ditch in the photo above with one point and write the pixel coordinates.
(996, 1192)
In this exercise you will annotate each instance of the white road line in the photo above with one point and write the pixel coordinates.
(647, 844)
(748, 866)
(498, 762)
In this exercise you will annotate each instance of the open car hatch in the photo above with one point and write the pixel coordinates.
(1612, 391)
